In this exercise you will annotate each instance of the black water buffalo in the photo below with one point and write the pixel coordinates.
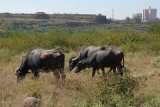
(85, 53)
(43, 60)
(101, 59)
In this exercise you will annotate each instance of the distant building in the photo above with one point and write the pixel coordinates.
(149, 14)
(137, 15)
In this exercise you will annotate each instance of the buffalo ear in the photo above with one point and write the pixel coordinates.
(80, 62)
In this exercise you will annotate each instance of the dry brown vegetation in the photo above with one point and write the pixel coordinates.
(80, 89)
(54, 18)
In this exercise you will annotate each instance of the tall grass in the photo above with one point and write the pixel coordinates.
(129, 41)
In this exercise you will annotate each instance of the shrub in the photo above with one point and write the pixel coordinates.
(154, 27)
(116, 90)
(156, 61)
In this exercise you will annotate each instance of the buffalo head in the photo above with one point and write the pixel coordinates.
(73, 62)
(21, 73)
(81, 65)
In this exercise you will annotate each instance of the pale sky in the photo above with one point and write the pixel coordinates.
(122, 8)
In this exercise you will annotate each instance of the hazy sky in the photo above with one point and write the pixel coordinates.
(122, 8)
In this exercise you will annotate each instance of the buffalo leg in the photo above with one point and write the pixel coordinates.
(120, 70)
(114, 70)
(56, 74)
(110, 70)
(63, 75)
(93, 72)
(103, 71)
(98, 72)
(35, 73)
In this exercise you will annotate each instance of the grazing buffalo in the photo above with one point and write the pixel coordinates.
(101, 59)
(85, 53)
(43, 60)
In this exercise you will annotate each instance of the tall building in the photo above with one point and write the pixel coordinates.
(149, 14)
(145, 15)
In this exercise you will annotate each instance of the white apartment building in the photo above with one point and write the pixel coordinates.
(149, 14)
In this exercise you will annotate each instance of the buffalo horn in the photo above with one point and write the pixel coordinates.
(76, 57)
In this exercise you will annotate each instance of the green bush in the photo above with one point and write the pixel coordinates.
(127, 40)
(154, 27)
(118, 91)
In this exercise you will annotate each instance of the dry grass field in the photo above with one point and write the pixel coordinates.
(80, 89)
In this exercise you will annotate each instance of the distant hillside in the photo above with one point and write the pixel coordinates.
(28, 22)
(53, 18)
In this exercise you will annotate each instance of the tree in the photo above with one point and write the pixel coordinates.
(154, 27)
(41, 15)
(127, 20)
(158, 20)
(6, 15)
(137, 19)
(100, 19)
(117, 21)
